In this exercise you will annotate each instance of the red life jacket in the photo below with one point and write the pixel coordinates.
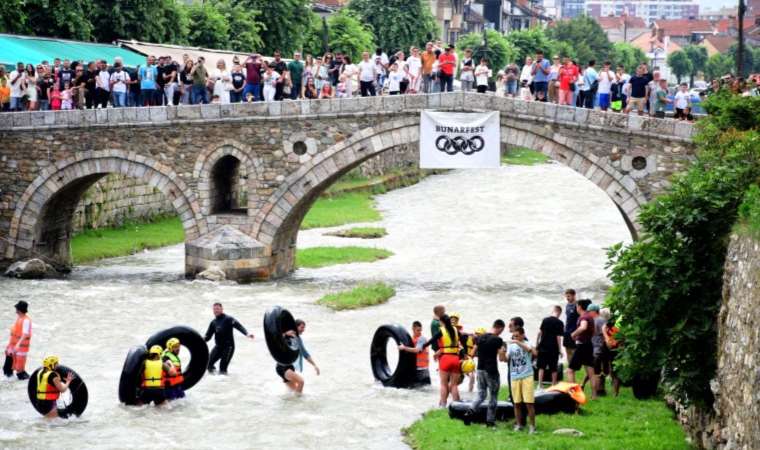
(17, 331)
(423, 361)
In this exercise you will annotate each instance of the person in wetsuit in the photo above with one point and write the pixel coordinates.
(221, 329)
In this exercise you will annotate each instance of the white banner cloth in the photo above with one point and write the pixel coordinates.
(459, 140)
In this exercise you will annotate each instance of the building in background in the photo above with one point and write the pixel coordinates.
(713, 15)
(512, 15)
(623, 28)
(649, 10)
(572, 8)
(683, 31)
(457, 17)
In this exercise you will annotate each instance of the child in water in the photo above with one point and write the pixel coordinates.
(287, 372)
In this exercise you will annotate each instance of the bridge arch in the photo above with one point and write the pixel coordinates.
(42, 221)
(210, 157)
(278, 221)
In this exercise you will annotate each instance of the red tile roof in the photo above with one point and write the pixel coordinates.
(616, 23)
(720, 43)
(723, 25)
(683, 27)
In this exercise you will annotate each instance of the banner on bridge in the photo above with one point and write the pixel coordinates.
(459, 140)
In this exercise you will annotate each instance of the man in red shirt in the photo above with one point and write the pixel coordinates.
(568, 75)
(447, 62)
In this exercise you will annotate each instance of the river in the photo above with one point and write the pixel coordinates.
(487, 244)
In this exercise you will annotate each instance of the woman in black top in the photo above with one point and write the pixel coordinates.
(186, 82)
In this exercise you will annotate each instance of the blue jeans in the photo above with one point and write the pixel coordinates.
(44, 105)
(254, 89)
(487, 385)
(200, 95)
(16, 104)
(236, 97)
(119, 99)
(511, 87)
(447, 82)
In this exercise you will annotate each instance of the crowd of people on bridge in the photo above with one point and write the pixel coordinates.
(66, 84)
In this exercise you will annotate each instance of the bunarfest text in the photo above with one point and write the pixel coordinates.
(459, 130)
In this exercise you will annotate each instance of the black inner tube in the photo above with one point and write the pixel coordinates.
(129, 382)
(283, 349)
(77, 390)
(405, 373)
(194, 343)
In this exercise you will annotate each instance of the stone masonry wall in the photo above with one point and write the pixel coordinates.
(734, 421)
(116, 199)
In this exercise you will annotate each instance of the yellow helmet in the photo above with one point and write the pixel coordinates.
(172, 343)
(454, 316)
(468, 366)
(480, 330)
(155, 350)
(50, 362)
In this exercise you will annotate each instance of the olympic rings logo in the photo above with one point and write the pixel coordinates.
(452, 146)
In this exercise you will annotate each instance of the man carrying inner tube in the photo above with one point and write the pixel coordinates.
(50, 386)
(18, 344)
(418, 348)
(154, 377)
(287, 372)
(448, 341)
(174, 382)
(221, 328)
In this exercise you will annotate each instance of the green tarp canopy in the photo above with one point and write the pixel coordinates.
(33, 50)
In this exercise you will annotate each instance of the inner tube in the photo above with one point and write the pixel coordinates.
(545, 402)
(129, 382)
(77, 388)
(194, 343)
(405, 373)
(548, 375)
(284, 349)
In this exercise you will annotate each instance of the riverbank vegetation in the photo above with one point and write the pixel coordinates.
(519, 156)
(91, 245)
(316, 257)
(606, 423)
(360, 232)
(667, 286)
(359, 297)
(354, 207)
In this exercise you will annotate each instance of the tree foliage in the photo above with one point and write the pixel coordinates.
(751, 59)
(145, 20)
(346, 33)
(210, 28)
(680, 64)
(283, 23)
(245, 28)
(718, 65)
(68, 19)
(526, 42)
(628, 55)
(13, 18)
(586, 35)
(697, 54)
(397, 24)
(499, 53)
(667, 286)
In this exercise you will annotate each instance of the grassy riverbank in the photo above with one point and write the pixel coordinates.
(359, 297)
(91, 245)
(606, 423)
(518, 156)
(360, 232)
(316, 257)
(342, 209)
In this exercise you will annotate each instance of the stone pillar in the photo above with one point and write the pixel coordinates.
(239, 256)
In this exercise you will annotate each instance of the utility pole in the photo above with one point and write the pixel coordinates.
(740, 46)
(325, 37)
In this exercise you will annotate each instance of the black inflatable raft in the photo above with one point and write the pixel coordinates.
(549, 402)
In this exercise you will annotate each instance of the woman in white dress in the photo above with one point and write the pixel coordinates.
(269, 80)
(350, 71)
(31, 87)
(222, 82)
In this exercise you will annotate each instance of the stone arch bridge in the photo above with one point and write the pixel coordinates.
(252, 171)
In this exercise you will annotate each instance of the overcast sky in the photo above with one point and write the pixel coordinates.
(714, 4)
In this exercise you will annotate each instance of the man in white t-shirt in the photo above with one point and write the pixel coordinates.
(16, 81)
(606, 78)
(367, 76)
(103, 86)
(395, 78)
(414, 63)
(118, 82)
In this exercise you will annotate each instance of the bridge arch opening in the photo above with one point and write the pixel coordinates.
(228, 191)
(46, 217)
(279, 222)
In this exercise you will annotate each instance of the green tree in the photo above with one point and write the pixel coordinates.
(283, 23)
(680, 64)
(698, 56)
(526, 42)
(245, 28)
(751, 57)
(13, 18)
(586, 35)
(397, 24)
(209, 28)
(719, 65)
(628, 55)
(68, 19)
(146, 20)
(500, 52)
(346, 33)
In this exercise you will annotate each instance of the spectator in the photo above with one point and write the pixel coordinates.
(414, 64)
(326, 91)
(467, 71)
(66, 95)
(147, 76)
(549, 343)
(395, 77)
(279, 66)
(554, 80)
(253, 77)
(683, 103)
(5, 95)
(526, 74)
(171, 68)
(334, 67)
(222, 82)
(55, 97)
(238, 84)
(31, 87)
(310, 90)
(296, 69)
(44, 81)
(540, 72)
(428, 60)
(617, 102)
(606, 79)
(119, 82)
(382, 74)
(367, 76)
(597, 342)
(186, 83)
(18, 85)
(350, 73)
(447, 65)
(512, 74)
(520, 355)
(568, 75)
(638, 92)
(133, 93)
(584, 352)
(200, 77)
(590, 86)
(661, 99)
(65, 73)
(652, 87)
(571, 323)
(482, 74)
(102, 86)
(321, 74)
(269, 80)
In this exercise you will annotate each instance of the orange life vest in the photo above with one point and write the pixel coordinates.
(573, 389)
(609, 337)
(177, 379)
(46, 390)
(17, 331)
(423, 360)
